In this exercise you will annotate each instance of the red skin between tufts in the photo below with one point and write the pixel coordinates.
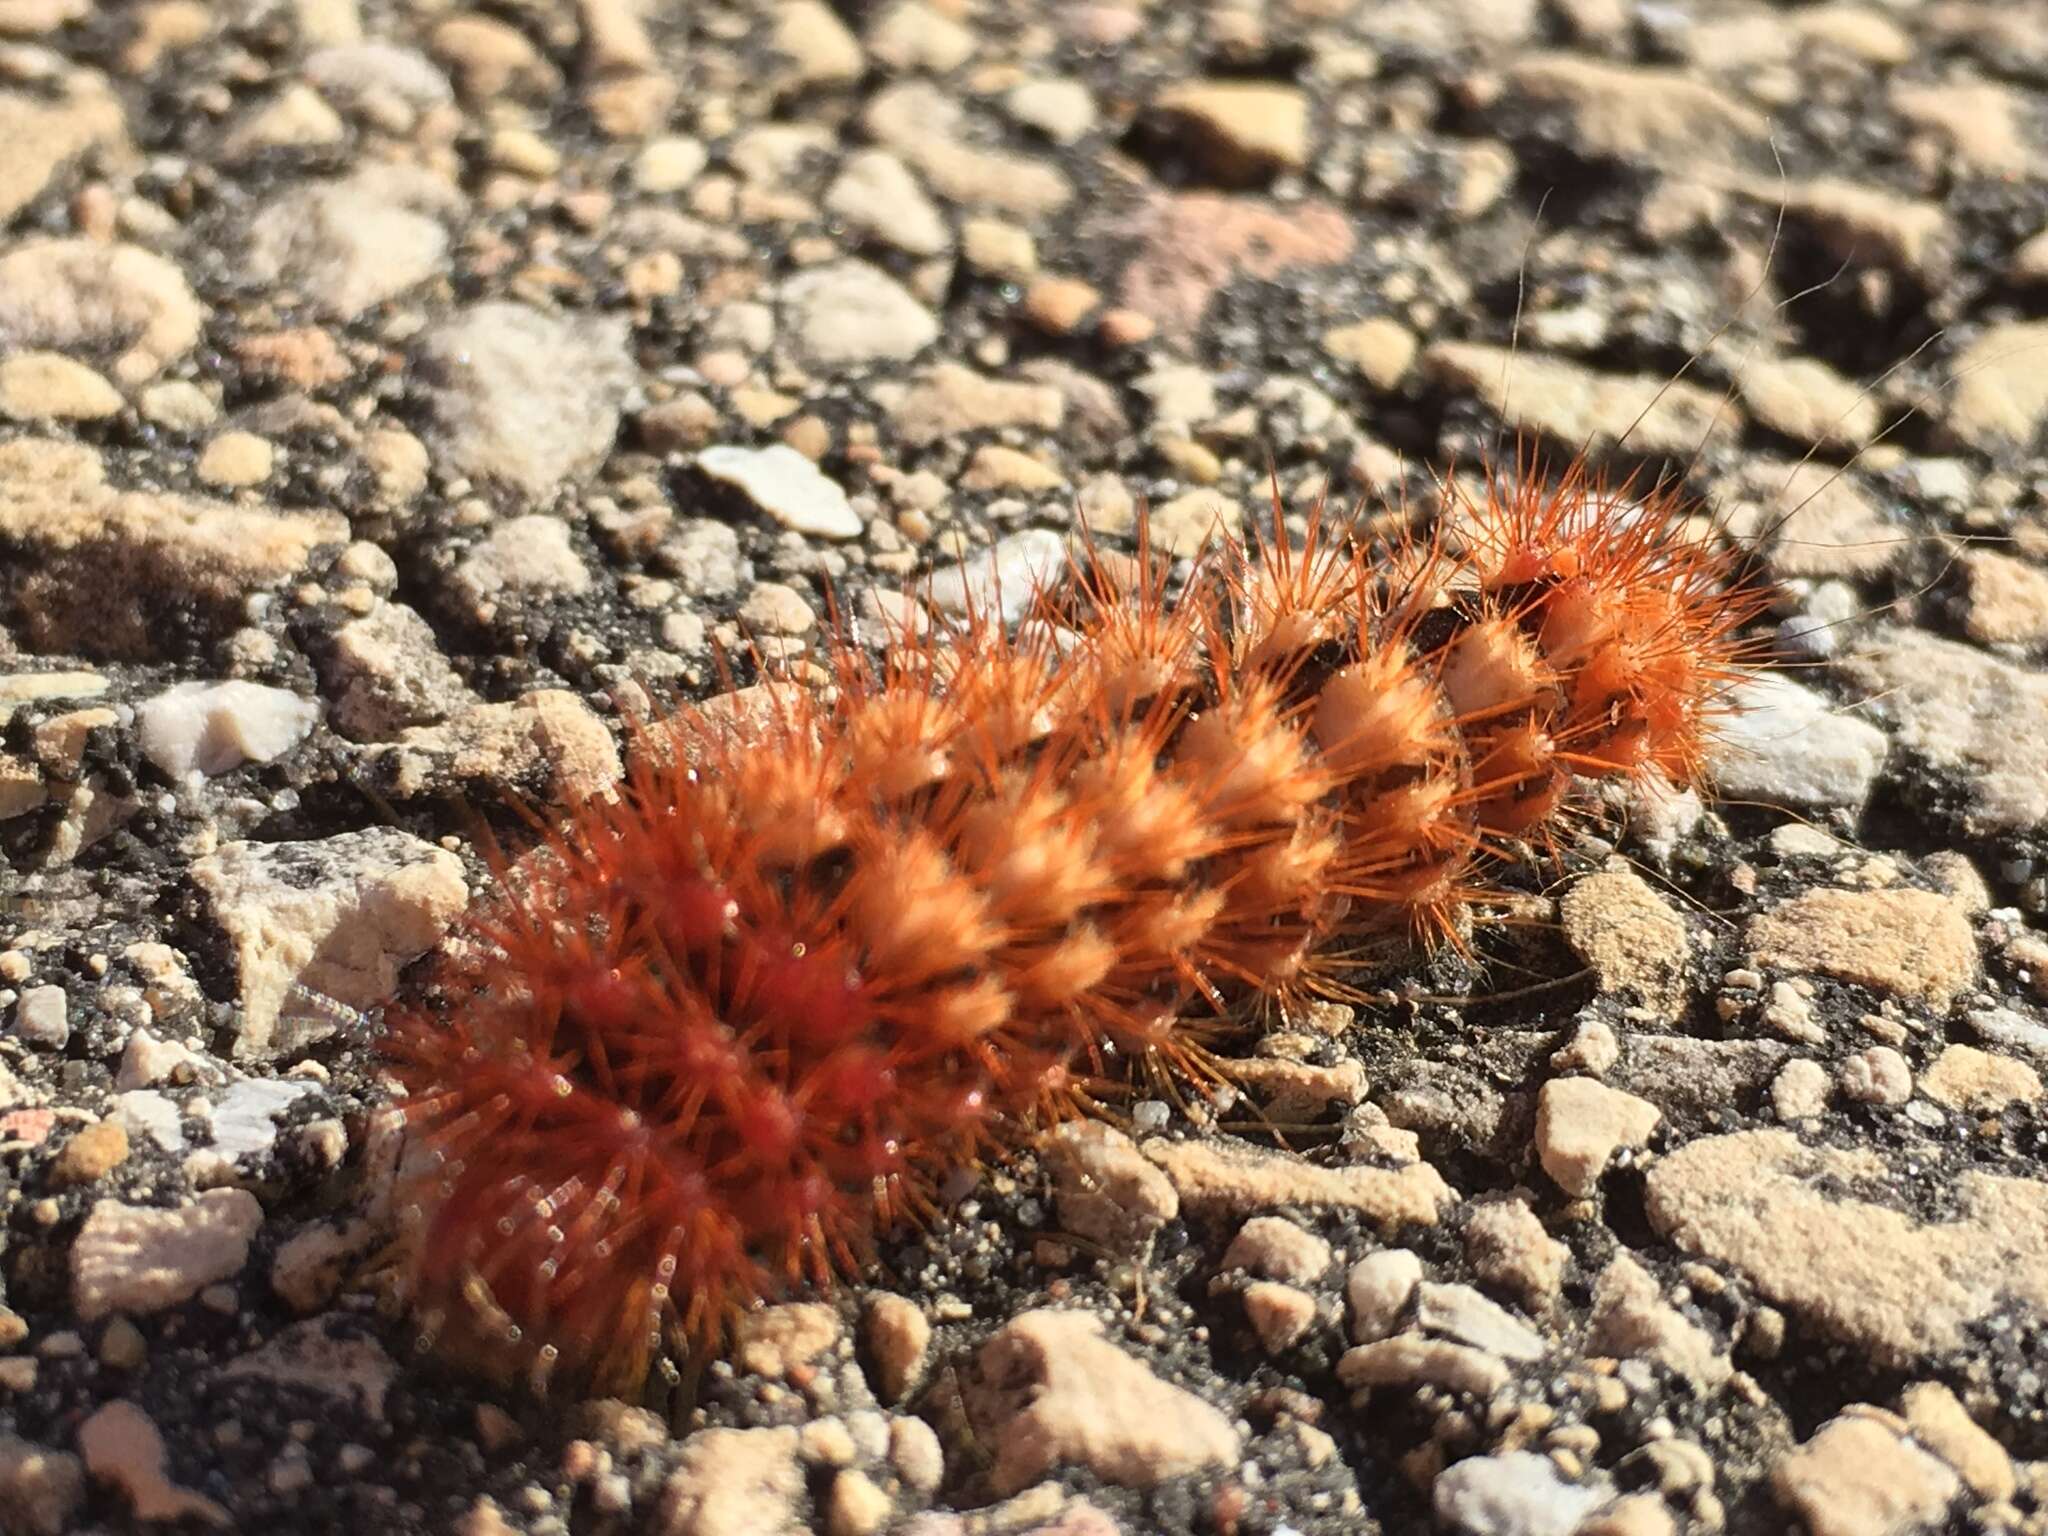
(722, 1030)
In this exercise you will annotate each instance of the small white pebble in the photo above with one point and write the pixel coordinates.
(1878, 1075)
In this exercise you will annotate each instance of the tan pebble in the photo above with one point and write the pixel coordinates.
(898, 1337)
(90, 1155)
(46, 386)
(855, 1506)
(1060, 304)
(236, 459)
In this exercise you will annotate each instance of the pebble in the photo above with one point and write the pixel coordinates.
(1858, 1476)
(523, 398)
(1105, 1190)
(1581, 1124)
(81, 295)
(785, 486)
(207, 729)
(90, 1155)
(1281, 1315)
(1809, 401)
(911, 35)
(1378, 1290)
(338, 917)
(121, 1444)
(876, 195)
(1381, 349)
(139, 1260)
(296, 118)
(353, 244)
(47, 386)
(1631, 1319)
(41, 1017)
(1786, 745)
(244, 1118)
(727, 1482)
(1052, 1392)
(849, 315)
(669, 164)
(1062, 109)
(385, 671)
(1002, 580)
(1514, 1493)
(1278, 1249)
(1508, 1247)
(1458, 1312)
(234, 460)
(530, 556)
(1800, 1090)
(899, 1337)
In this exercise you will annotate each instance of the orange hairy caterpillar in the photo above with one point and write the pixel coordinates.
(725, 1028)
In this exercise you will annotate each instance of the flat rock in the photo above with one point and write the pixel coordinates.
(1056, 1393)
(523, 398)
(1859, 1477)
(354, 244)
(47, 386)
(1857, 1271)
(1963, 1077)
(1651, 116)
(1783, 744)
(1913, 944)
(1241, 129)
(850, 315)
(137, 1259)
(2007, 597)
(44, 136)
(2000, 396)
(928, 129)
(785, 486)
(1978, 723)
(1634, 943)
(948, 400)
(1230, 1178)
(1191, 245)
(83, 296)
(1576, 407)
(108, 567)
(338, 917)
(312, 1355)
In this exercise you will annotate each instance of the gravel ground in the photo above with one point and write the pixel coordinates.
(394, 398)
